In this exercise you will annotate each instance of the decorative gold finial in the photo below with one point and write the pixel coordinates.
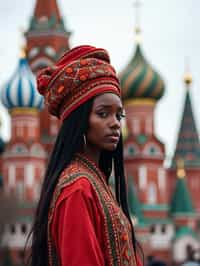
(137, 5)
(23, 52)
(23, 41)
(180, 168)
(187, 75)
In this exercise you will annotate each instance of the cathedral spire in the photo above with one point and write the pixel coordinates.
(188, 146)
(47, 37)
(47, 20)
(47, 9)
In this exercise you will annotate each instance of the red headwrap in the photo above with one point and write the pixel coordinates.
(79, 75)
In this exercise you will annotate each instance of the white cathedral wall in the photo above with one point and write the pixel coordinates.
(16, 239)
(180, 246)
(162, 240)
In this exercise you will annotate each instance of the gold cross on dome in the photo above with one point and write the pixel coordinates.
(137, 4)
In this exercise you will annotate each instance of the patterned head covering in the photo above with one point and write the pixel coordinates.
(79, 75)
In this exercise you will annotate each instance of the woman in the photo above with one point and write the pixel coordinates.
(78, 220)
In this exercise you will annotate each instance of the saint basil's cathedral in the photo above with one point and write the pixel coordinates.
(163, 201)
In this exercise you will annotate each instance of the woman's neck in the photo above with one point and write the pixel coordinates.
(92, 153)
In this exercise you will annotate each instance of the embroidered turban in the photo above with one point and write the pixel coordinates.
(80, 74)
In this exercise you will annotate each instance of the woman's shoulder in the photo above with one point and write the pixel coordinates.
(74, 178)
(75, 168)
(80, 188)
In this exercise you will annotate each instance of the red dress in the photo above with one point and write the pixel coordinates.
(86, 226)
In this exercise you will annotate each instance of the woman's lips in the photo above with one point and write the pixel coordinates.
(113, 138)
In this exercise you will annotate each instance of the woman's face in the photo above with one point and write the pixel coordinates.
(104, 122)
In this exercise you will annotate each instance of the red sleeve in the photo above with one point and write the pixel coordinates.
(75, 228)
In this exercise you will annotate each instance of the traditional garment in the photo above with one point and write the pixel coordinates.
(86, 226)
(82, 73)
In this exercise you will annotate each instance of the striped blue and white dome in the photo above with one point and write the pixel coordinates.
(20, 91)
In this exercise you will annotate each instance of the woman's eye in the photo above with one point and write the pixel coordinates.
(103, 114)
(120, 116)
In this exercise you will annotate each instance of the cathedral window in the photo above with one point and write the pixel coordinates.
(20, 189)
(29, 175)
(38, 151)
(33, 52)
(12, 229)
(19, 149)
(152, 193)
(152, 229)
(24, 229)
(135, 126)
(152, 150)
(161, 178)
(131, 150)
(50, 51)
(142, 176)
(19, 131)
(11, 175)
(163, 229)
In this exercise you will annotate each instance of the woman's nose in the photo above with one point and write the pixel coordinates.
(115, 123)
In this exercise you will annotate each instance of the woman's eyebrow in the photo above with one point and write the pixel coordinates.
(107, 106)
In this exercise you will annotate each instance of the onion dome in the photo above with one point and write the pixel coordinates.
(140, 80)
(20, 91)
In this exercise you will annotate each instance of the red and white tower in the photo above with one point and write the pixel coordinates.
(24, 159)
(188, 147)
(144, 153)
(47, 39)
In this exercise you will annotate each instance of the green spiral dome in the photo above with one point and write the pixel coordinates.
(139, 80)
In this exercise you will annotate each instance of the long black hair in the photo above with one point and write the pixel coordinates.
(69, 141)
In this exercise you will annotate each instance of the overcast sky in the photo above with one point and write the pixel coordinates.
(169, 35)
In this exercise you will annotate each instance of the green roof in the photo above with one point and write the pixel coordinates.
(184, 230)
(181, 203)
(188, 146)
(133, 202)
(155, 207)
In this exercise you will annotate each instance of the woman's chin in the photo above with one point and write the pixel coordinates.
(110, 147)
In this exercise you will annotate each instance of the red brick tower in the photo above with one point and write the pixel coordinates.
(24, 159)
(144, 153)
(188, 148)
(47, 39)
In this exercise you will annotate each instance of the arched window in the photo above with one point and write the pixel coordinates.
(152, 229)
(50, 51)
(12, 229)
(142, 176)
(152, 150)
(33, 52)
(152, 193)
(24, 229)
